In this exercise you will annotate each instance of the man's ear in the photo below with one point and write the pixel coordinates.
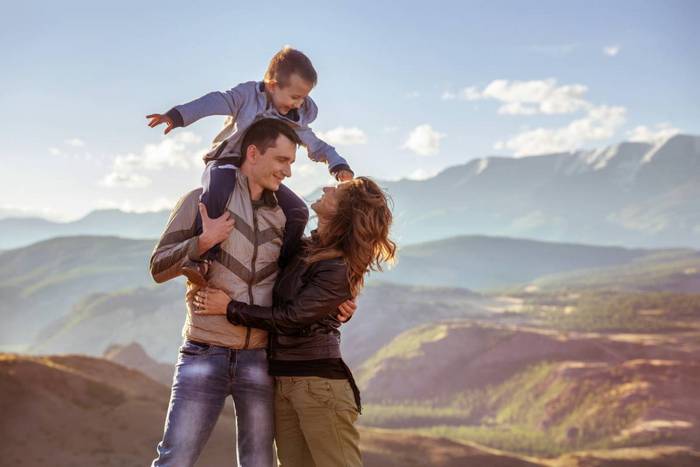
(252, 153)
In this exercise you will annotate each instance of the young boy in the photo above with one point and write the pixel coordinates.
(283, 94)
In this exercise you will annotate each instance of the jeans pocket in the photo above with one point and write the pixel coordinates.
(194, 348)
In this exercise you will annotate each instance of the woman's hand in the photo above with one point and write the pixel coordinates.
(210, 301)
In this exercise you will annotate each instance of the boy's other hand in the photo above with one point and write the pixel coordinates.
(157, 119)
(346, 310)
(214, 231)
(344, 175)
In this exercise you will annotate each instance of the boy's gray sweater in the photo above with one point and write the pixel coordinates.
(244, 105)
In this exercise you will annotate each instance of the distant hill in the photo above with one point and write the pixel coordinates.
(135, 357)
(384, 311)
(672, 271)
(627, 194)
(17, 232)
(86, 293)
(479, 262)
(631, 194)
(40, 284)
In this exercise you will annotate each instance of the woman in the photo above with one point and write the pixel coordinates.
(316, 399)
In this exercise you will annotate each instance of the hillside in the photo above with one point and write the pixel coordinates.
(536, 391)
(75, 411)
(78, 411)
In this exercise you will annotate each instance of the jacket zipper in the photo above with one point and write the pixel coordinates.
(252, 270)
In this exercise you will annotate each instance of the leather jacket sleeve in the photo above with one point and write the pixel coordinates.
(325, 289)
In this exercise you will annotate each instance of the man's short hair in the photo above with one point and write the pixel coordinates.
(264, 133)
(287, 62)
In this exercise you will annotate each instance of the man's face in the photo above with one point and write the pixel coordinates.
(290, 96)
(270, 168)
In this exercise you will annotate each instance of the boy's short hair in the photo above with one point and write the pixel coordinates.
(287, 62)
(264, 133)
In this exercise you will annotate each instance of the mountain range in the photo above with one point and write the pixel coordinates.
(629, 194)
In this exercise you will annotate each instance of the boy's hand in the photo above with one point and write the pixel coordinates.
(157, 119)
(214, 231)
(343, 175)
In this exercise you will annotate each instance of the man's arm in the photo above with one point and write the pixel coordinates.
(178, 242)
(326, 289)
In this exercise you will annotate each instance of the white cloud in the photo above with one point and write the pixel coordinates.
(176, 152)
(343, 136)
(611, 50)
(412, 95)
(644, 134)
(424, 141)
(75, 142)
(158, 204)
(470, 93)
(390, 129)
(54, 151)
(528, 97)
(448, 96)
(127, 180)
(423, 173)
(599, 123)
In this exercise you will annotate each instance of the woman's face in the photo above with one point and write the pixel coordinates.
(326, 206)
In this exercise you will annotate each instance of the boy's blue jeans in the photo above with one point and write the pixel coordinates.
(205, 375)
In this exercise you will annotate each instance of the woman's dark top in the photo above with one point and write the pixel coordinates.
(304, 329)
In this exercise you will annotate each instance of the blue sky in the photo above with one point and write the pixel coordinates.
(405, 88)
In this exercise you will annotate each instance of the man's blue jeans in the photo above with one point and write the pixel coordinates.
(205, 375)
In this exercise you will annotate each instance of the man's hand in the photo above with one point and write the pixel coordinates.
(214, 231)
(157, 119)
(346, 310)
(343, 175)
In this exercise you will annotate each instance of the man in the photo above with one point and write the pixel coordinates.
(217, 358)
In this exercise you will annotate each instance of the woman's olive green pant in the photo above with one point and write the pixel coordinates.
(315, 422)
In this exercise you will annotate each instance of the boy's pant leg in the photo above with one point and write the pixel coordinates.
(200, 387)
(292, 449)
(297, 215)
(253, 396)
(327, 414)
(218, 181)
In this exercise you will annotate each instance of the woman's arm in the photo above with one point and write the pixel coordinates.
(325, 290)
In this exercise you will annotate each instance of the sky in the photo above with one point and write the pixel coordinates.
(405, 89)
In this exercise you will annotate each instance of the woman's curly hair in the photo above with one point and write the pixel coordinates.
(359, 230)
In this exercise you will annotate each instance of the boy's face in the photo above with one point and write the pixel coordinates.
(270, 168)
(290, 96)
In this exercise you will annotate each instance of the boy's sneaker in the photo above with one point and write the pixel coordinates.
(195, 272)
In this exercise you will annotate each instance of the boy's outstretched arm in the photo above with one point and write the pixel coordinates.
(320, 151)
(214, 103)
